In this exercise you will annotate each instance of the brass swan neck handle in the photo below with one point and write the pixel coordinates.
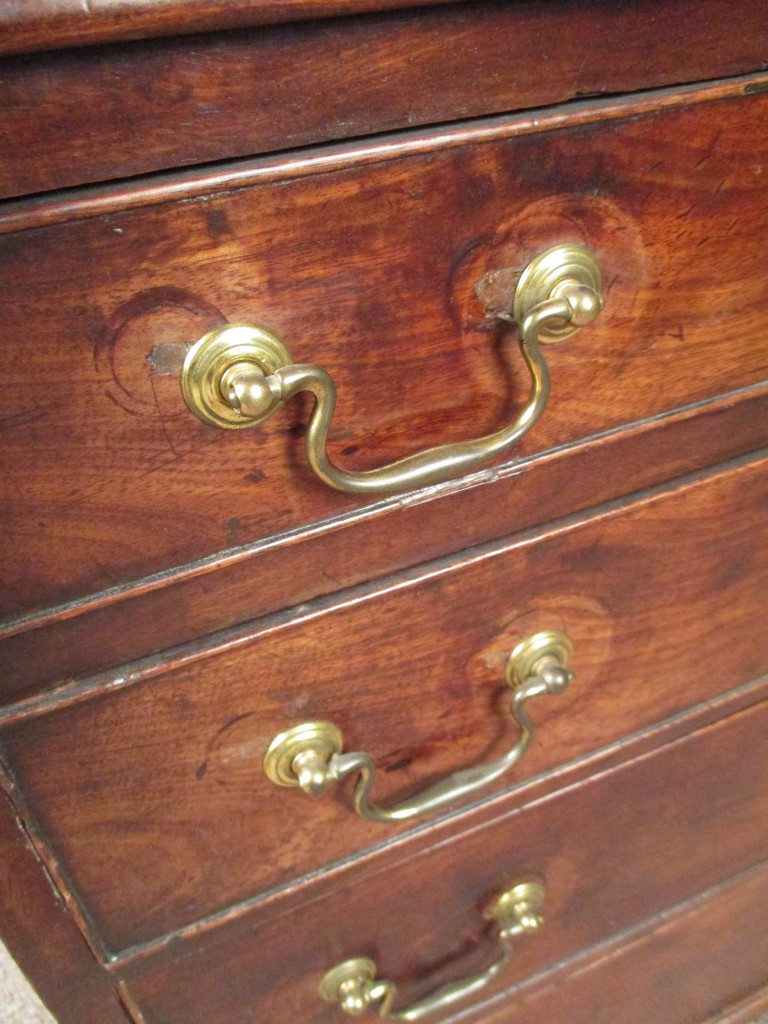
(309, 756)
(354, 986)
(238, 375)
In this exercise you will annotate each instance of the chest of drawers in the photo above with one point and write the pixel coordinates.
(535, 668)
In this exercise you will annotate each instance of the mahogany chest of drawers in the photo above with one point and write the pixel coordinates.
(440, 690)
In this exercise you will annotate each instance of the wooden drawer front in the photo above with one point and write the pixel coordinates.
(368, 269)
(220, 96)
(704, 962)
(612, 852)
(153, 796)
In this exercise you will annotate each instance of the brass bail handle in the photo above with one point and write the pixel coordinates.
(354, 986)
(310, 756)
(238, 375)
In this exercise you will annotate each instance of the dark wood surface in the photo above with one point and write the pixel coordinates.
(43, 937)
(696, 964)
(52, 24)
(413, 674)
(214, 179)
(387, 304)
(129, 528)
(75, 647)
(616, 850)
(75, 116)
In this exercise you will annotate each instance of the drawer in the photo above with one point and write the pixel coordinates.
(704, 961)
(217, 96)
(611, 853)
(150, 790)
(366, 262)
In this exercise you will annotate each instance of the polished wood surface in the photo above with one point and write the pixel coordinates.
(193, 183)
(751, 1011)
(81, 643)
(412, 673)
(45, 24)
(221, 96)
(123, 294)
(696, 964)
(51, 24)
(346, 171)
(620, 848)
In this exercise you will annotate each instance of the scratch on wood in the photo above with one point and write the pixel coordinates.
(20, 419)
(166, 435)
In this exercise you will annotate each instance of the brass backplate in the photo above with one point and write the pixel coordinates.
(209, 359)
(359, 970)
(549, 271)
(507, 907)
(325, 738)
(551, 644)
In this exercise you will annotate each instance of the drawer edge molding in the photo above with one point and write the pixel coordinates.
(85, 202)
(681, 418)
(139, 669)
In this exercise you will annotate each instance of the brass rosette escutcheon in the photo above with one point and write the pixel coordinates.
(220, 356)
(549, 647)
(564, 270)
(321, 739)
(238, 375)
(355, 988)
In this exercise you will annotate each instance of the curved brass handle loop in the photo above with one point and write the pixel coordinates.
(354, 986)
(240, 374)
(310, 755)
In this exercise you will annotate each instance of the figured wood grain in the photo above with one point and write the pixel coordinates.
(87, 639)
(663, 600)
(232, 95)
(43, 936)
(620, 848)
(373, 277)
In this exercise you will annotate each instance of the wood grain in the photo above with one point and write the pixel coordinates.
(43, 937)
(412, 371)
(87, 639)
(190, 183)
(613, 852)
(412, 673)
(224, 96)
